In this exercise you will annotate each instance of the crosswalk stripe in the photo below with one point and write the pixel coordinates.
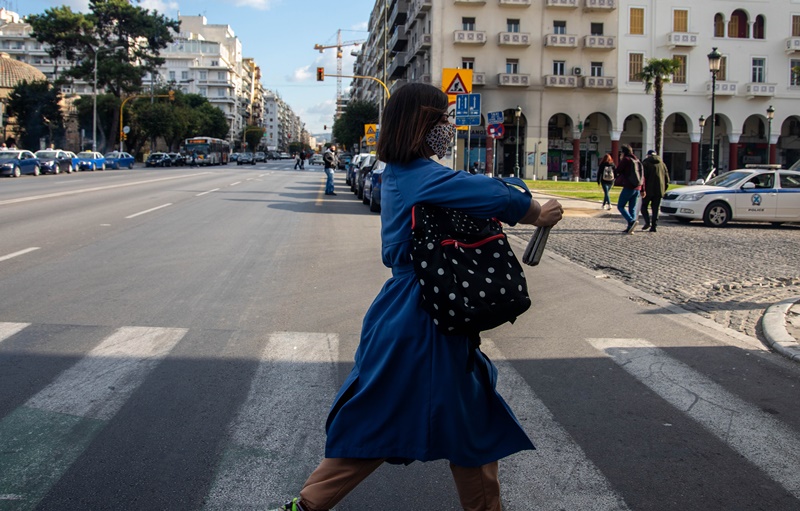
(42, 438)
(558, 475)
(9, 329)
(280, 427)
(756, 435)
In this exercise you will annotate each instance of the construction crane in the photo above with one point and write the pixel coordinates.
(339, 45)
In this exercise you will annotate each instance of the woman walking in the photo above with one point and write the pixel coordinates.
(408, 396)
(605, 178)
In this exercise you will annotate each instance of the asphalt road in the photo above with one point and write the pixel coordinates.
(172, 338)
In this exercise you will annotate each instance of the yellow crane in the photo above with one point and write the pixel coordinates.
(339, 45)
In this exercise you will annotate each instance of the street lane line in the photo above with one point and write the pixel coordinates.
(281, 419)
(95, 189)
(236, 183)
(205, 193)
(149, 210)
(559, 474)
(19, 253)
(9, 329)
(757, 436)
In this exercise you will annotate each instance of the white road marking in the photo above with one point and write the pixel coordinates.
(19, 253)
(281, 421)
(205, 193)
(753, 433)
(558, 475)
(9, 329)
(236, 183)
(98, 385)
(149, 210)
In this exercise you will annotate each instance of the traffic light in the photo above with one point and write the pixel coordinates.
(325, 128)
(172, 95)
(320, 74)
(123, 136)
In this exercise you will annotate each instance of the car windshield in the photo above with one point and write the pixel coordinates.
(157, 155)
(113, 155)
(728, 179)
(85, 154)
(9, 155)
(46, 154)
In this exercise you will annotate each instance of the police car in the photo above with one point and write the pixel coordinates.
(757, 193)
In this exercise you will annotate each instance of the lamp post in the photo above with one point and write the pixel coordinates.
(517, 114)
(714, 60)
(702, 122)
(94, 95)
(770, 115)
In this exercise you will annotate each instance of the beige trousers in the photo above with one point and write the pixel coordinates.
(478, 487)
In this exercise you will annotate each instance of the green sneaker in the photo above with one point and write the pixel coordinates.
(293, 505)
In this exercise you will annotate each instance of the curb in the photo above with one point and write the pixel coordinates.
(774, 326)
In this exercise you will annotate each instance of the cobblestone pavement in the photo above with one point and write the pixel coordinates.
(731, 275)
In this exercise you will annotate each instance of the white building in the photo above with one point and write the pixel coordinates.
(571, 64)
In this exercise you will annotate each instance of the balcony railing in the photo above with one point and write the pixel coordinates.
(759, 89)
(561, 81)
(792, 44)
(513, 80)
(399, 13)
(423, 44)
(515, 3)
(600, 42)
(426, 78)
(570, 4)
(397, 68)
(470, 2)
(469, 37)
(478, 78)
(724, 88)
(676, 39)
(599, 82)
(561, 40)
(514, 39)
(399, 39)
(600, 5)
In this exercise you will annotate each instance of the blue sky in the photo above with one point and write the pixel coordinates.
(279, 34)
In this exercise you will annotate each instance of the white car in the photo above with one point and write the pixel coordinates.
(316, 159)
(758, 193)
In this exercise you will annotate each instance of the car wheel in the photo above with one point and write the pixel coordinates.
(57, 170)
(373, 206)
(130, 166)
(69, 169)
(103, 167)
(717, 214)
(17, 171)
(93, 167)
(36, 170)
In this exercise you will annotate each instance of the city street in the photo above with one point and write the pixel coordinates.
(172, 339)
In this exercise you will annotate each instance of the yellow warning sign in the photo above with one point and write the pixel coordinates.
(456, 81)
(370, 140)
(370, 130)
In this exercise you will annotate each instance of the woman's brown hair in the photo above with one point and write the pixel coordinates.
(607, 159)
(409, 114)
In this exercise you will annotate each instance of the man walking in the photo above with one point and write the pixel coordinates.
(331, 161)
(632, 179)
(656, 182)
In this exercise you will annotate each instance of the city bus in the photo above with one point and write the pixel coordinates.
(210, 151)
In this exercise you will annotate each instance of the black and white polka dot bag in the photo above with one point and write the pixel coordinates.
(470, 278)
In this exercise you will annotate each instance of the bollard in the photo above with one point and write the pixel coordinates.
(554, 178)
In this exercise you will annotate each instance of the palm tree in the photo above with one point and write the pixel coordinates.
(655, 74)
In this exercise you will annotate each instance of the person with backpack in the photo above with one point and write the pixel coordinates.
(629, 175)
(656, 177)
(605, 177)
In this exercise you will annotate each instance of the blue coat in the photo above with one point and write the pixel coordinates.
(409, 396)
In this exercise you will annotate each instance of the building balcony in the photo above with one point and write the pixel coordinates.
(682, 39)
(599, 42)
(396, 85)
(469, 37)
(515, 3)
(423, 44)
(724, 88)
(469, 2)
(397, 68)
(399, 13)
(478, 78)
(599, 82)
(600, 5)
(561, 40)
(513, 80)
(421, 8)
(514, 39)
(569, 4)
(399, 39)
(561, 81)
(759, 90)
(426, 78)
(792, 44)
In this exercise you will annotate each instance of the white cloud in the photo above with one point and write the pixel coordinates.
(161, 6)
(261, 5)
(78, 5)
(300, 74)
(364, 25)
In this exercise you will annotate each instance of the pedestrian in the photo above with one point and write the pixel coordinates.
(630, 176)
(194, 158)
(656, 181)
(331, 161)
(296, 161)
(408, 397)
(605, 178)
(475, 168)
(302, 160)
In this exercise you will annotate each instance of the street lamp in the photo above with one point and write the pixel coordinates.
(702, 122)
(94, 94)
(770, 115)
(714, 61)
(517, 114)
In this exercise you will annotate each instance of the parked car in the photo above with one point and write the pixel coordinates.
(246, 158)
(316, 159)
(344, 160)
(364, 167)
(75, 160)
(261, 156)
(285, 156)
(757, 193)
(352, 167)
(233, 157)
(91, 160)
(176, 159)
(15, 162)
(119, 160)
(158, 160)
(54, 161)
(372, 186)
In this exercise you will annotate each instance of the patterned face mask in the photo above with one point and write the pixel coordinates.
(439, 137)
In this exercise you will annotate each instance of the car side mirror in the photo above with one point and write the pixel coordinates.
(700, 181)
(748, 186)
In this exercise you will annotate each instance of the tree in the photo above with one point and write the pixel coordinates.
(63, 31)
(110, 24)
(252, 135)
(36, 107)
(349, 128)
(655, 74)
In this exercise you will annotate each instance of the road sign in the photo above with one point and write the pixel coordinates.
(126, 129)
(468, 110)
(456, 81)
(370, 129)
(496, 130)
(494, 117)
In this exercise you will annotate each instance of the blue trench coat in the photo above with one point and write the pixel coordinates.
(409, 396)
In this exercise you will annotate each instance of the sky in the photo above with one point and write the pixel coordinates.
(279, 34)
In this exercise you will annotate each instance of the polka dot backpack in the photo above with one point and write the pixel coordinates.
(470, 278)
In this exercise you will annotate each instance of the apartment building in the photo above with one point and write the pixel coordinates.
(572, 68)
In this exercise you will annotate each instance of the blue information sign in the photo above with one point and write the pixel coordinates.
(494, 118)
(468, 110)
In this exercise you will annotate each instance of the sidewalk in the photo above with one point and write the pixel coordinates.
(780, 323)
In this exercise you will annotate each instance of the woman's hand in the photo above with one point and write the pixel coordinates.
(551, 213)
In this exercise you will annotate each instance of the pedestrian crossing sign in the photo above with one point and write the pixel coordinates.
(456, 81)
(370, 130)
